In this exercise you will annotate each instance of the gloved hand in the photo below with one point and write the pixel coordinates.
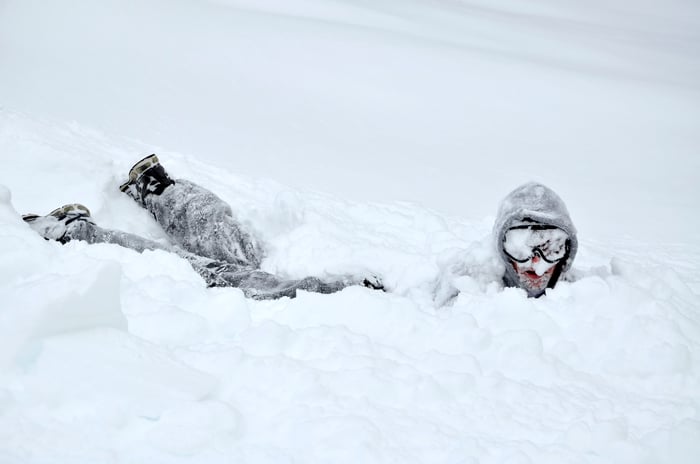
(373, 282)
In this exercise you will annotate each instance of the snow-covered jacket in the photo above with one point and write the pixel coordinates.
(532, 202)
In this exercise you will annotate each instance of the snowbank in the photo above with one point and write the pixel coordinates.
(113, 356)
(403, 112)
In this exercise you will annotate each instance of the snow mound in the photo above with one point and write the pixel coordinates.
(109, 355)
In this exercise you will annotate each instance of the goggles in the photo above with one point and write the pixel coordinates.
(549, 243)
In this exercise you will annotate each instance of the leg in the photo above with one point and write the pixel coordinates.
(261, 285)
(73, 222)
(195, 218)
(202, 223)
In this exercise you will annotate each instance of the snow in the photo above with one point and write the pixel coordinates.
(353, 136)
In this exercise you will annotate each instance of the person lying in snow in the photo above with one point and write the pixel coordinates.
(535, 238)
(199, 223)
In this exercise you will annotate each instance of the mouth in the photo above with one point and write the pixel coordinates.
(531, 275)
(532, 280)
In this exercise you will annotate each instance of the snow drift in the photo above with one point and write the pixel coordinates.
(353, 136)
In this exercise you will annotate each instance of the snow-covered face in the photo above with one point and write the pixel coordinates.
(535, 252)
(534, 275)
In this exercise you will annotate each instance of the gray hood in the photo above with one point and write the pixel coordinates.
(537, 203)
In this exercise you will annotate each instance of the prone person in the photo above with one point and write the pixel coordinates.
(534, 236)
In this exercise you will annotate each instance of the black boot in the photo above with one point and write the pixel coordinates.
(59, 223)
(145, 178)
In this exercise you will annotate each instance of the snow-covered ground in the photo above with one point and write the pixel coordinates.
(353, 136)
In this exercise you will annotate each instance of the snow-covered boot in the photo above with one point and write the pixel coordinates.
(145, 178)
(62, 223)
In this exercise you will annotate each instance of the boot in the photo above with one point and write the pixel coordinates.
(58, 224)
(145, 178)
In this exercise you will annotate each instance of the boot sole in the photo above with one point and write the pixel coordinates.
(76, 209)
(140, 167)
(64, 210)
(137, 169)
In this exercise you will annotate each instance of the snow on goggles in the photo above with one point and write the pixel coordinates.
(522, 243)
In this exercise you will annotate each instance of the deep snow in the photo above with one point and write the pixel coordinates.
(113, 356)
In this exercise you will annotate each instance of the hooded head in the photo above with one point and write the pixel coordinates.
(533, 204)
